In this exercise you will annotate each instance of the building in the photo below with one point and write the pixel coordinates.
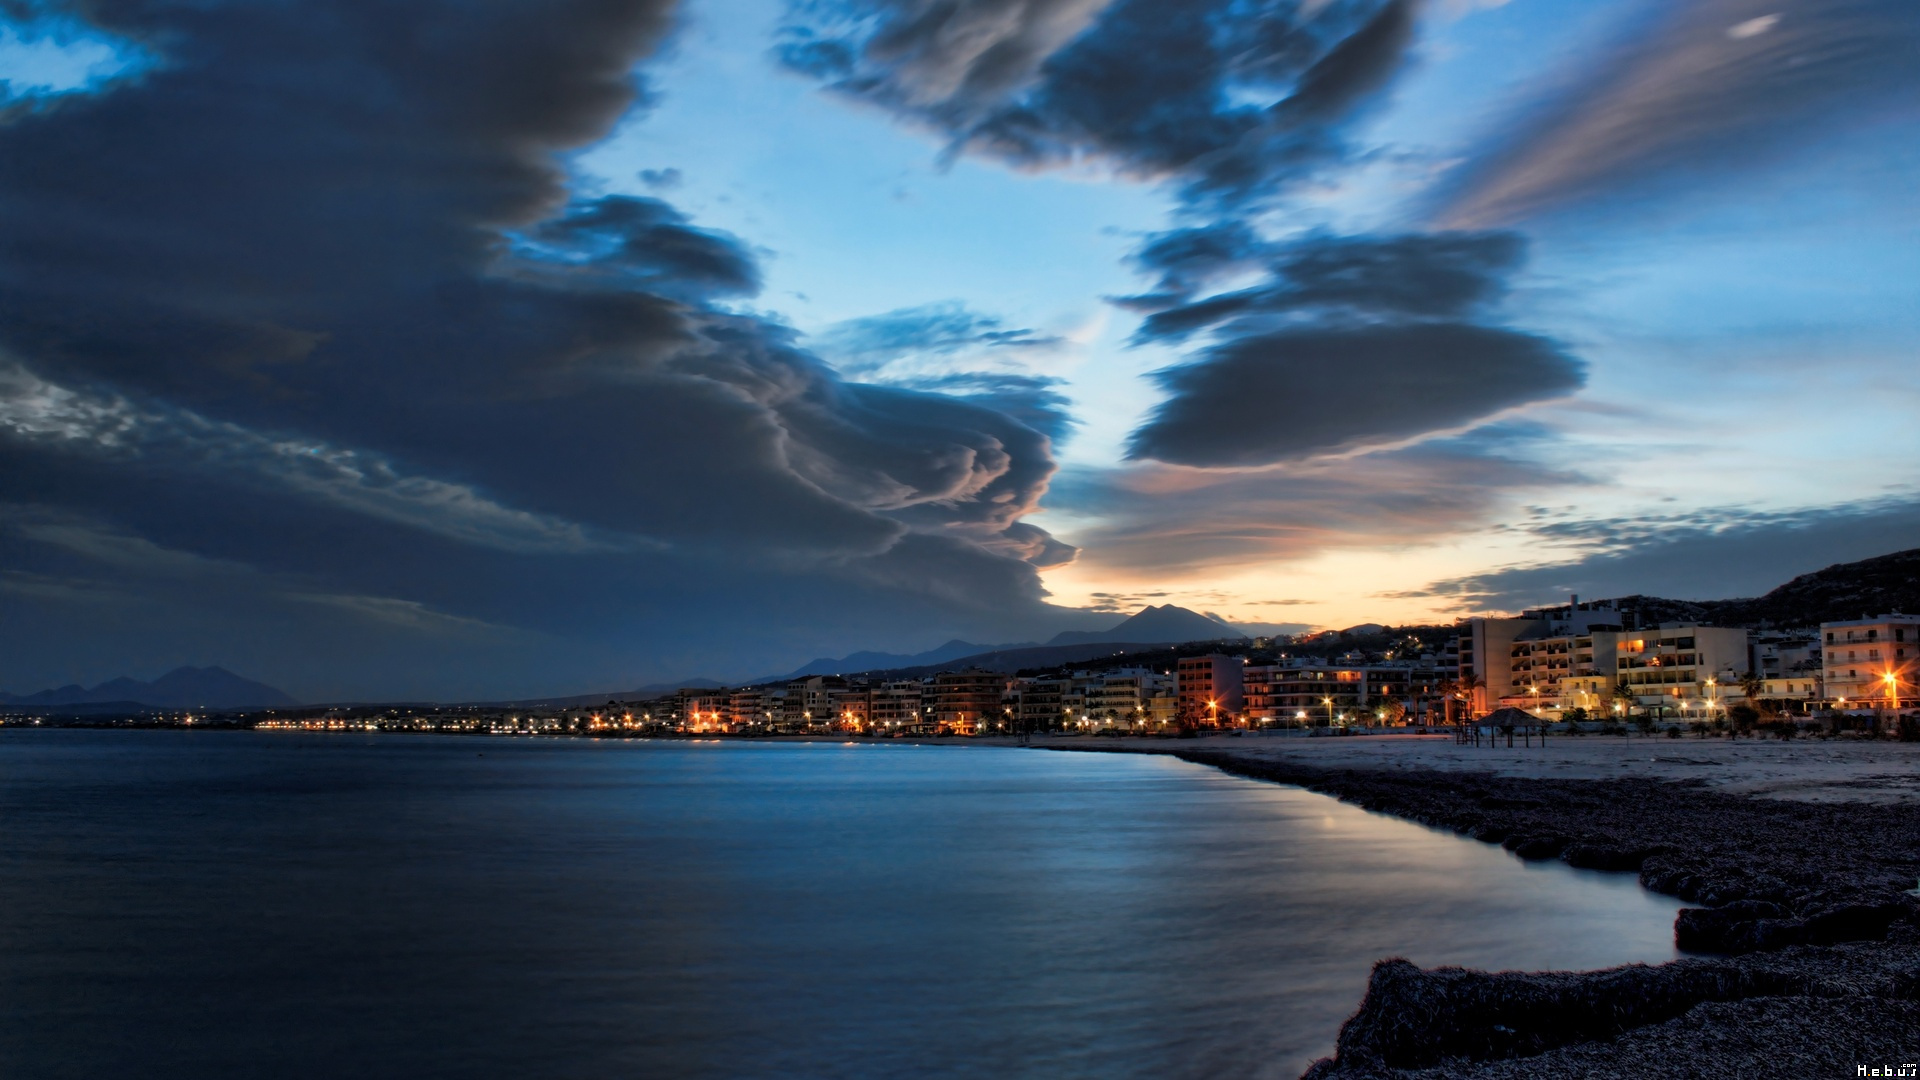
(1256, 684)
(1486, 655)
(1210, 690)
(1124, 697)
(1305, 690)
(851, 708)
(703, 709)
(1777, 655)
(966, 702)
(1872, 662)
(896, 707)
(1678, 670)
(809, 702)
(1583, 656)
(1041, 704)
(747, 709)
(1797, 691)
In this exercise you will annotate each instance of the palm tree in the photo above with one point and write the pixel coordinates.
(1448, 688)
(1623, 697)
(1471, 684)
(1754, 687)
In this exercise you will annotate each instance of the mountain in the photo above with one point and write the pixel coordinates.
(181, 688)
(1167, 624)
(879, 661)
(1876, 586)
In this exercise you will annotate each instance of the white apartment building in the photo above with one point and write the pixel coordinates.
(1577, 657)
(1872, 661)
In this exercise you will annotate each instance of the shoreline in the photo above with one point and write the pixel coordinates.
(1803, 937)
(1803, 941)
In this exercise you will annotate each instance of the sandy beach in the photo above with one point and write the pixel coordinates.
(1808, 770)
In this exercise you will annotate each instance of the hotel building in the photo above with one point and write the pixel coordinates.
(1209, 690)
(1873, 662)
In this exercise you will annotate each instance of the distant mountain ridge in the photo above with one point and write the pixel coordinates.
(869, 660)
(181, 688)
(1168, 624)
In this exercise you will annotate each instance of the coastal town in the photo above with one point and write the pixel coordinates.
(1580, 666)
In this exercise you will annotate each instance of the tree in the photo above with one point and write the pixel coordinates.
(1623, 698)
(1449, 688)
(1471, 684)
(1392, 712)
(1755, 688)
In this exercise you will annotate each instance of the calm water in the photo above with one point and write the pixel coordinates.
(241, 905)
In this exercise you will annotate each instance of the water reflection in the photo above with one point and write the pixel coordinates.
(317, 906)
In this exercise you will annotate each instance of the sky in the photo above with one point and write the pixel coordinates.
(462, 351)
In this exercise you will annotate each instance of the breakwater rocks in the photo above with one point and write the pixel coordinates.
(1808, 934)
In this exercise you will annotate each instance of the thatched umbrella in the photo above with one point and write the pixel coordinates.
(1508, 718)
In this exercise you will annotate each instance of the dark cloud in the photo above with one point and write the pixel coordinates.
(309, 302)
(1418, 275)
(1236, 102)
(1297, 393)
(1157, 521)
(1708, 554)
(1232, 99)
(634, 243)
(1706, 87)
(1352, 341)
(1188, 259)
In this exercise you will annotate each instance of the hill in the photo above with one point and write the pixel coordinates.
(1167, 624)
(1855, 590)
(181, 688)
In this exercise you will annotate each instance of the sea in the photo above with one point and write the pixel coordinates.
(250, 904)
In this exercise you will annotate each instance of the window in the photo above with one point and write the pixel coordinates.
(1873, 654)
